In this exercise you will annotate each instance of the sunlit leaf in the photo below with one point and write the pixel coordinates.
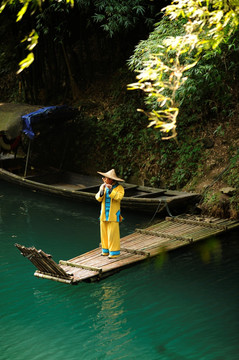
(26, 62)
(23, 10)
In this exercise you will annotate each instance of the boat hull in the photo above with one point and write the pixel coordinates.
(168, 201)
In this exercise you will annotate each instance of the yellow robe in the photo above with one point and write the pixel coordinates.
(109, 228)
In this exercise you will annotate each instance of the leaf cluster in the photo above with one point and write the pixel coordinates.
(114, 17)
(120, 16)
(27, 7)
(165, 66)
(189, 154)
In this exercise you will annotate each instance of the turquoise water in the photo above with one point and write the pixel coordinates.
(181, 308)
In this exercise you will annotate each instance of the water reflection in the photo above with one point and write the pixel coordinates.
(210, 250)
(94, 315)
(110, 324)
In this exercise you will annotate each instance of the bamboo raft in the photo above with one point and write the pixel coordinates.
(169, 234)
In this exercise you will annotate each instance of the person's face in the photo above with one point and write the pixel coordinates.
(108, 181)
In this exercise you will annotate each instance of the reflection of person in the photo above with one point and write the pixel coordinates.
(110, 195)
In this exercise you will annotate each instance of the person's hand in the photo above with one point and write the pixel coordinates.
(102, 187)
(109, 186)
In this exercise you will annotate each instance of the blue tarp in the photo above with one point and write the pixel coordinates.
(34, 117)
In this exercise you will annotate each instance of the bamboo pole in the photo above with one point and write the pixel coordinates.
(42, 261)
(54, 278)
(135, 251)
(200, 223)
(86, 267)
(27, 160)
(37, 260)
(159, 234)
(54, 266)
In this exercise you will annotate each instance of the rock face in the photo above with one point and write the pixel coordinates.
(230, 191)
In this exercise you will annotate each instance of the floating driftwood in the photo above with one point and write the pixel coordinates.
(166, 235)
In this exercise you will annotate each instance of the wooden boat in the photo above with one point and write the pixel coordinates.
(83, 188)
(16, 170)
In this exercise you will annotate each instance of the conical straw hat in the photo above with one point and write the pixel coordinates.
(111, 175)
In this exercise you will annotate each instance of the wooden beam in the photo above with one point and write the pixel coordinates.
(199, 223)
(82, 266)
(164, 235)
(136, 252)
(50, 277)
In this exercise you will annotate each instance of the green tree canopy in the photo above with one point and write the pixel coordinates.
(68, 44)
(113, 16)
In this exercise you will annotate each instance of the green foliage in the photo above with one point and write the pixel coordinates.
(208, 92)
(207, 25)
(144, 50)
(189, 154)
(120, 16)
(113, 16)
(120, 138)
(9, 84)
(160, 75)
(232, 176)
(27, 7)
(46, 20)
(32, 40)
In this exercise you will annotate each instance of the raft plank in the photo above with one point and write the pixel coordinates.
(83, 255)
(165, 234)
(83, 259)
(133, 251)
(194, 222)
(149, 241)
(123, 262)
(81, 266)
(50, 277)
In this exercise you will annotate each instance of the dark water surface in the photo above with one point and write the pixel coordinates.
(185, 307)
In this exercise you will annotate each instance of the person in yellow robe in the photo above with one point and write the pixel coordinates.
(110, 195)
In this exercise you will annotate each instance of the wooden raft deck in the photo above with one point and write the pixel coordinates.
(168, 234)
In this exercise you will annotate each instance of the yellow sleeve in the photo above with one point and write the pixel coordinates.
(117, 193)
(98, 197)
